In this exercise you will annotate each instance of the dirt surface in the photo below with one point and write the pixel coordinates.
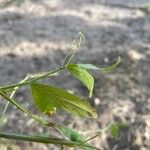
(35, 37)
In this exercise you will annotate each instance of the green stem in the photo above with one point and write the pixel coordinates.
(44, 139)
(41, 121)
(97, 132)
(73, 54)
(35, 138)
(11, 96)
(7, 104)
(31, 80)
(65, 61)
(36, 118)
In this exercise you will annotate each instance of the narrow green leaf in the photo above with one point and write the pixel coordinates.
(113, 66)
(82, 75)
(88, 66)
(107, 69)
(47, 97)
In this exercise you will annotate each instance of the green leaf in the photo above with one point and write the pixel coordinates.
(74, 137)
(47, 97)
(112, 67)
(107, 69)
(71, 135)
(115, 127)
(114, 131)
(82, 75)
(88, 66)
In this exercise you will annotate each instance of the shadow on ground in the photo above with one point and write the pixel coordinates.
(30, 44)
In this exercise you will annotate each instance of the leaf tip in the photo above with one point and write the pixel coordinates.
(93, 114)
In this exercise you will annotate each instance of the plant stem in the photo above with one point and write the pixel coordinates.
(65, 61)
(73, 54)
(44, 139)
(36, 118)
(36, 138)
(6, 107)
(11, 96)
(97, 132)
(31, 80)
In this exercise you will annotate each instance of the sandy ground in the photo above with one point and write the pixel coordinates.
(35, 38)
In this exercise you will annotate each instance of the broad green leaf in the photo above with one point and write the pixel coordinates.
(74, 137)
(82, 75)
(47, 97)
(107, 69)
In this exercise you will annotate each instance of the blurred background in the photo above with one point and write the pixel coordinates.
(35, 36)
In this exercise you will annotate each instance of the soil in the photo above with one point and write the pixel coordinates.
(35, 37)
